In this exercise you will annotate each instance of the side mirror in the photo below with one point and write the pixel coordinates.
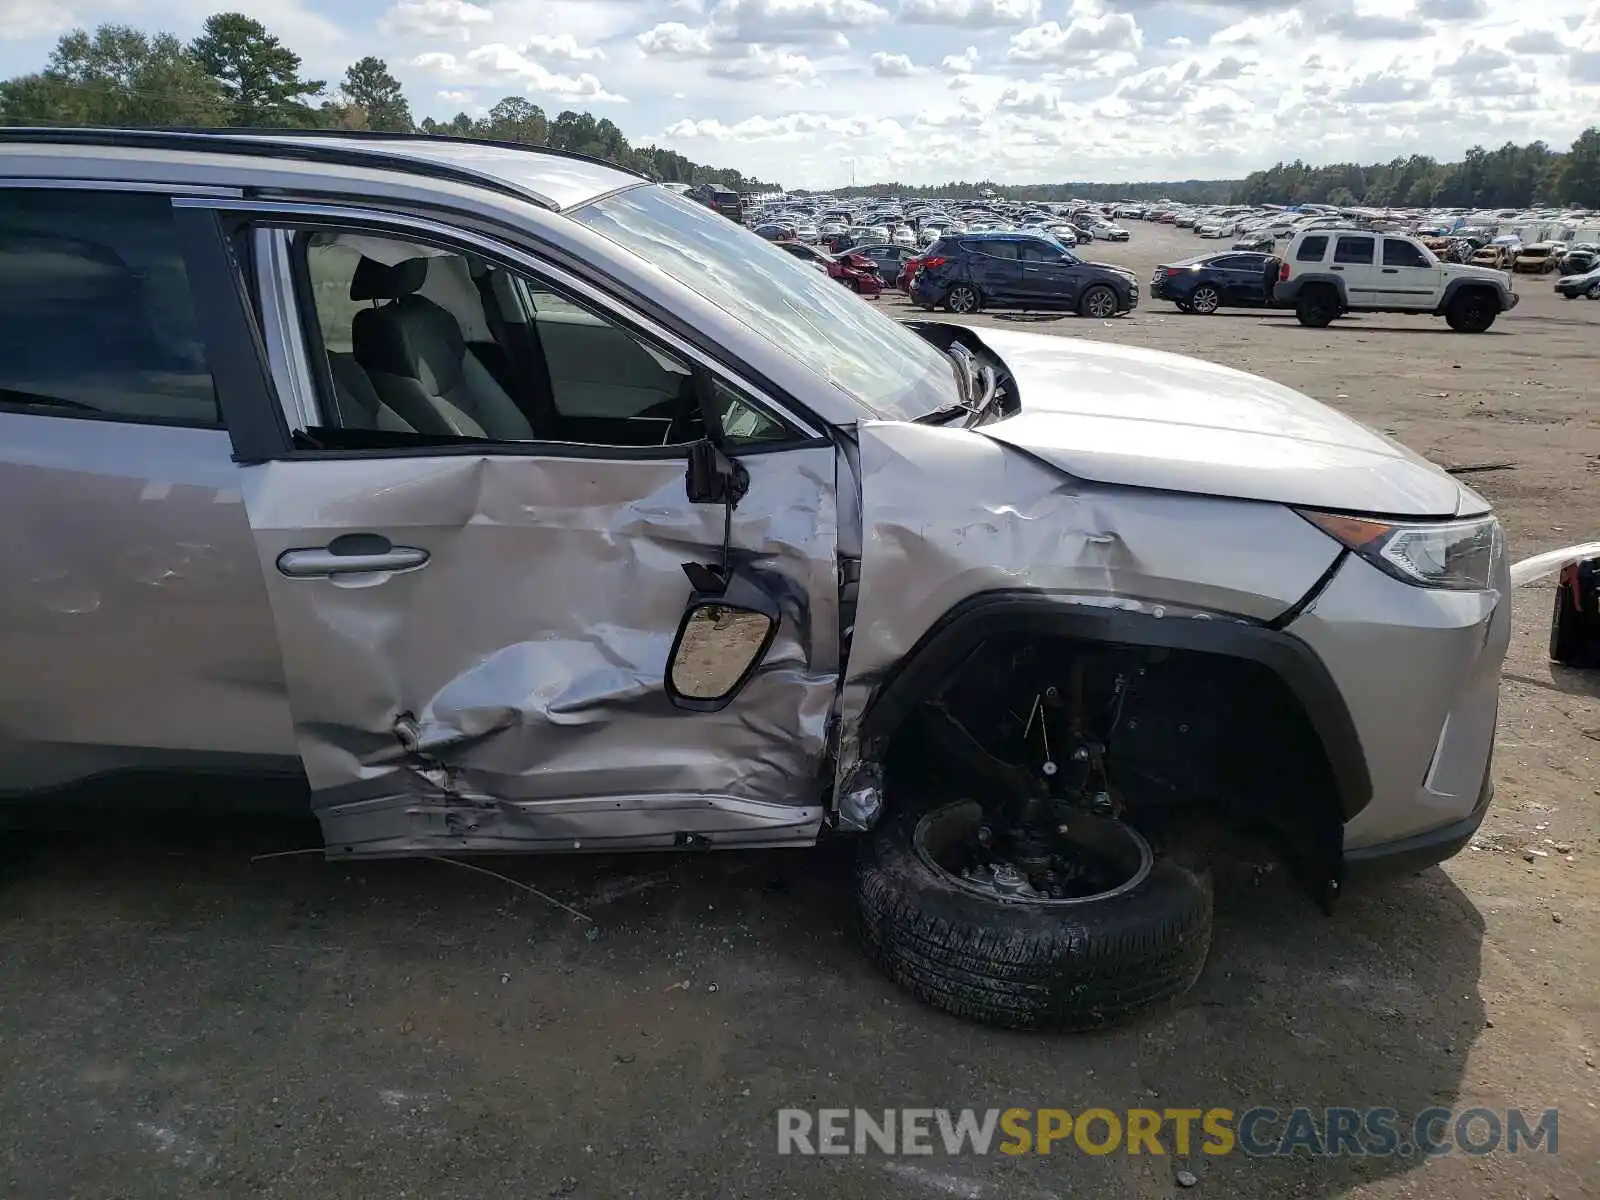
(712, 477)
(721, 641)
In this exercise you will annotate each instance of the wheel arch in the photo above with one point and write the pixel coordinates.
(1455, 287)
(1254, 697)
(967, 625)
(1304, 283)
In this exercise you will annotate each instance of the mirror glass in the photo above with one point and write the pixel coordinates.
(719, 644)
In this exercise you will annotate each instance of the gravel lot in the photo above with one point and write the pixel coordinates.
(178, 1020)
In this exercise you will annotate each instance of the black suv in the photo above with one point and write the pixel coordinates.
(1019, 270)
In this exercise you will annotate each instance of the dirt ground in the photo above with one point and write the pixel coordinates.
(177, 1020)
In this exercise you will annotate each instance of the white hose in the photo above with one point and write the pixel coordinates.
(1532, 569)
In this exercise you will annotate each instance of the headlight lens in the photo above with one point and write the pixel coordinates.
(1459, 555)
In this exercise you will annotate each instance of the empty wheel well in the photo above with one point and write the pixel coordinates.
(1196, 743)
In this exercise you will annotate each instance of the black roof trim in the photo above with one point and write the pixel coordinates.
(264, 143)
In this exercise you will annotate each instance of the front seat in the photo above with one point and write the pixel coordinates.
(415, 355)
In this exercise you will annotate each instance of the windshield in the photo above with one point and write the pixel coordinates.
(889, 370)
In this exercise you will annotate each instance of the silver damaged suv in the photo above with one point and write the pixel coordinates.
(510, 503)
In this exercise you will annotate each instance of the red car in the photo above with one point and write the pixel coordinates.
(856, 271)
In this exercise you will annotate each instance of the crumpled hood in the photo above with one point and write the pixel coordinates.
(1144, 418)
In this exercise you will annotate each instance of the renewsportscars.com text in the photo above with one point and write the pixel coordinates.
(1256, 1132)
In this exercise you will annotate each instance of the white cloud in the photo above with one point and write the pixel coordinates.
(497, 61)
(1384, 87)
(1452, 10)
(1030, 98)
(455, 97)
(1537, 41)
(763, 62)
(1079, 39)
(674, 39)
(964, 63)
(32, 18)
(453, 19)
(563, 46)
(971, 14)
(793, 22)
(785, 128)
(892, 66)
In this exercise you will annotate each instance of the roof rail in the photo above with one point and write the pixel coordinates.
(502, 143)
(269, 143)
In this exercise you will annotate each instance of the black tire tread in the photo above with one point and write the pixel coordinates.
(1030, 966)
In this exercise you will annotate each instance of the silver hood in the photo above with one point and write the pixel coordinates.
(1143, 418)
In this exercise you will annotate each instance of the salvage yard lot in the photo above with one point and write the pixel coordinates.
(179, 1020)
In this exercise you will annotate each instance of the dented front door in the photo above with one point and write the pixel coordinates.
(475, 645)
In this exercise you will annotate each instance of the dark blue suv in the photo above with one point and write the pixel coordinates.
(968, 272)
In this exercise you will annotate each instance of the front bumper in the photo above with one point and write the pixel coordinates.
(1408, 855)
(1418, 670)
(1512, 300)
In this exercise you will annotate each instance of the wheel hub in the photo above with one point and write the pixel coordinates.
(1086, 858)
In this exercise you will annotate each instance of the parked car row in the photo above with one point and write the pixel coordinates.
(914, 223)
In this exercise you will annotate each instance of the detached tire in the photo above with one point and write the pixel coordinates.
(1025, 964)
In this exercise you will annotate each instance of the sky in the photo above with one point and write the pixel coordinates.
(819, 92)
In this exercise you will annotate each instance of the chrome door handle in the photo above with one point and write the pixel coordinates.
(351, 554)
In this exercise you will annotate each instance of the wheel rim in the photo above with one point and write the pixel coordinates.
(1117, 857)
(1206, 300)
(962, 300)
(1102, 303)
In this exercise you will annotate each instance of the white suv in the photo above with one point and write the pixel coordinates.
(1329, 272)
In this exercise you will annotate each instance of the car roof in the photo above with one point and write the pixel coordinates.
(554, 179)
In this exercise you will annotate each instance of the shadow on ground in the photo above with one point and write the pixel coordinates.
(178, 1020)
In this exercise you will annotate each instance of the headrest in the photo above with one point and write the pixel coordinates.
(374, 280)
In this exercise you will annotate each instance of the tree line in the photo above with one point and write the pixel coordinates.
(1511, 177)
(237, 74)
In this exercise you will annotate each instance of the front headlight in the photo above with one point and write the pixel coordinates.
(1459, 555)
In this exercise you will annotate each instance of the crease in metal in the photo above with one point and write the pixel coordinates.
(431, 716)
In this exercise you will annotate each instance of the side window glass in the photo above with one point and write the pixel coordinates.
(96, 316)
(1040, 252)
(998, 249)
(742, 423)
(1356, 251)
(427, 345)
(1312, 249)
(1397, 253)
